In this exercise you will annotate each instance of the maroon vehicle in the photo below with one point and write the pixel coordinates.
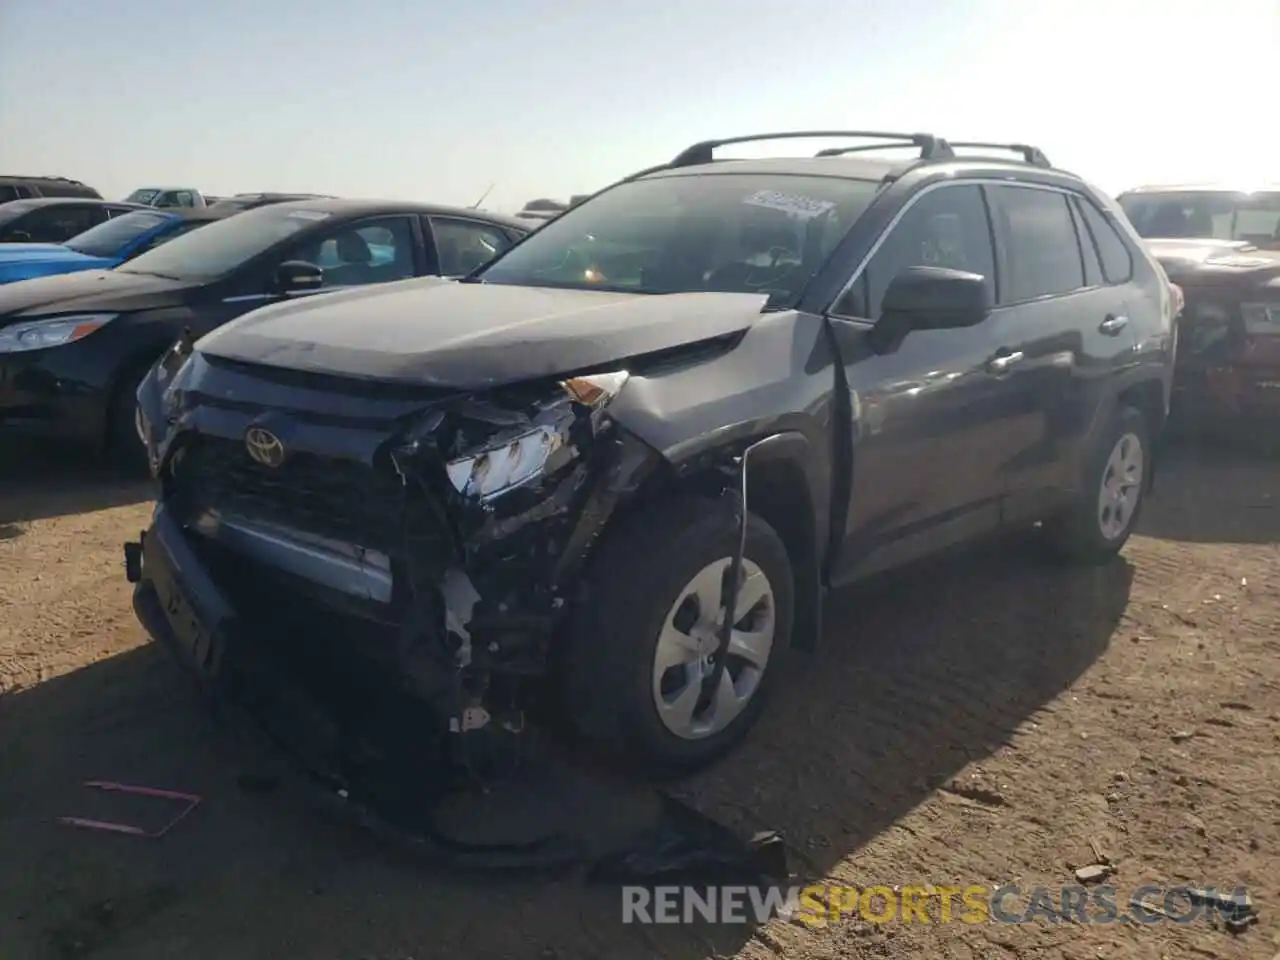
(1222, 247)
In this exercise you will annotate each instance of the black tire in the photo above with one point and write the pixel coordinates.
(123, 448)
(634, 579)
(1077, 536)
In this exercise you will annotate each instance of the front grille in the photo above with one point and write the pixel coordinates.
(338, 499)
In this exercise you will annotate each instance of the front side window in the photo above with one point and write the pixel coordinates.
(143, 196)
(221, 247)
(8, 193)
(12, 216)
(113, 238)
(464, 246)
(946, 227)
(370, 251)
(57, 224)
(1206, 215)
(1042, 252)
(732, 232)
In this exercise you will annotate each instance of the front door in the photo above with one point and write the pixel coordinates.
(376, 250)
(933, 422)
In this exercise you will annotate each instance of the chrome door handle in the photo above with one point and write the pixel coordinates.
(1001, 363)
(1113, 325)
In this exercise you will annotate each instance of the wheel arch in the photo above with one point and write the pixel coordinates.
(1148, 398)
(786, 486)
(134, 364)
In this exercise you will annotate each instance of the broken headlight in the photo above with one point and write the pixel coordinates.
(513, 461)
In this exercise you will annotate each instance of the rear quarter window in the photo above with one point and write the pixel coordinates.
(1113, 252)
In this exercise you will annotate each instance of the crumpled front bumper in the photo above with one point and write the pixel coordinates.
(273, 719)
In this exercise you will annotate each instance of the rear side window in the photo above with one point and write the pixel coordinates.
(1042, 250)
(1092, 265)
(1113, 252)
(8, 193)
(463, 246)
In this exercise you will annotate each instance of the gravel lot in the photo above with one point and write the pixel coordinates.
(980, 721)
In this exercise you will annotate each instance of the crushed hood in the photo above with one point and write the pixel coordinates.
(1215, 262)
(87, 291)
(474, 335)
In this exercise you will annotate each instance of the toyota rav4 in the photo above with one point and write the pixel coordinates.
(616, 469)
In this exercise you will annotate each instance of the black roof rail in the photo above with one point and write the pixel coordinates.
(643, 173)
(931, 147)
(1032, 155)
(941, 149)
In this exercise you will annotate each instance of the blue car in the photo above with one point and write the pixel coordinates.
(102, 247)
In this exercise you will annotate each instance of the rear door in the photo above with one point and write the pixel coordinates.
(1063, 328)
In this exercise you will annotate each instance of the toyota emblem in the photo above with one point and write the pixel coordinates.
(264, 447)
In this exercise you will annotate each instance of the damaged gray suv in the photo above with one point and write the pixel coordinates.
(608, 477)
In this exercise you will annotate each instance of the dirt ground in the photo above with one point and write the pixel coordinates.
(982, 721)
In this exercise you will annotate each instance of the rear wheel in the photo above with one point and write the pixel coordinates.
(1115, 482)
(640, 657)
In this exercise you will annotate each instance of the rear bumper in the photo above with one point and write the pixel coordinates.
(273, 720)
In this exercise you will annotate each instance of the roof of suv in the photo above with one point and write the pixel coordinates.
(31, 203)
(18, 178)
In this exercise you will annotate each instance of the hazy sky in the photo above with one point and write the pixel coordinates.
(433, 101)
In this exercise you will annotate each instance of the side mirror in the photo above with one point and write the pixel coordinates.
(20, 236)
(298, 276)
(936, 298)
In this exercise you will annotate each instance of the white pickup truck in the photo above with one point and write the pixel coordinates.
(168, 197)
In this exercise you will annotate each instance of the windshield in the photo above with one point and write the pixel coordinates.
(142, 196)
(739, 233)
(1206, 214)
(217, 249)
(113, 238)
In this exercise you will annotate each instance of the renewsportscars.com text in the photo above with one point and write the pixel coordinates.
(822, 904)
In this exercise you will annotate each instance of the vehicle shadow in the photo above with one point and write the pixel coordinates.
(1214, 494)
(919, 675)
(39, 481)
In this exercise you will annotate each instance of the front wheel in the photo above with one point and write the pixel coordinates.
(639, 661)
(1115, 481)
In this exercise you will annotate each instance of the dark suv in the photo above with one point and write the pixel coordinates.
(623, 462)
(28, 188)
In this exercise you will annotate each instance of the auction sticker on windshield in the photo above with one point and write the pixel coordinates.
(804, 207)
(309, 215)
